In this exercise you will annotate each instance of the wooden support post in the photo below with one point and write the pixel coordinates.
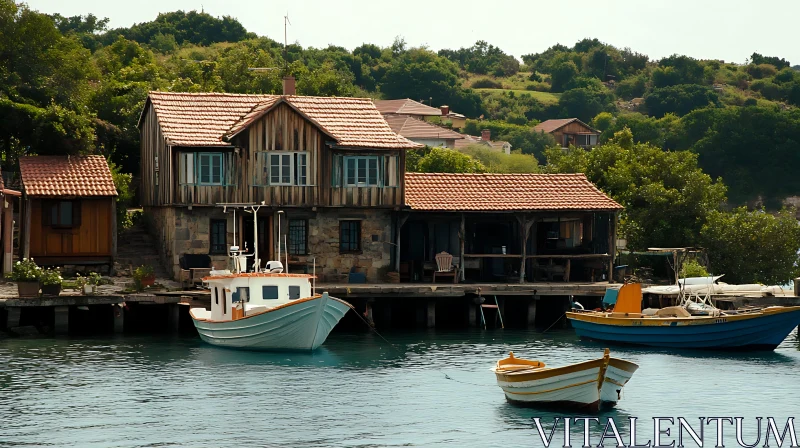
(387, 313)
(368, 312)
(26, 243)
(421, 309)
(462, 236)
(431, 314)
(14, 317)
(113, 233)
(174, 311)
(532, 312)
(472, 314)
(8, 235)
(567, 269)
(119, 318)
(61, 322)
(612, 246)
(525, 223)
(400, 221)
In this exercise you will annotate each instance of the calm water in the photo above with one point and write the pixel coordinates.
(355, 391)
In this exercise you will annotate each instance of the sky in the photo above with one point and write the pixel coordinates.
(729, 30)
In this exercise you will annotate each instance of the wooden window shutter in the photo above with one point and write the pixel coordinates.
(76, 213)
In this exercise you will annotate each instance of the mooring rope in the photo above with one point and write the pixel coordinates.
(394, 347)
(553, 324)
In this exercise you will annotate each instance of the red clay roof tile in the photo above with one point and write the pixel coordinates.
(205, 119)
(504, 192)
(411, 128)
(406, 106)
(52, 176)
(549, 126)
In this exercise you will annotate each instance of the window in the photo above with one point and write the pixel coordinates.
(269, 292)
(288, 168)
(242, 293)
(294, 292)
(209, 168)
(61, 214)
(361, 171)
(219, 234)
(298, 237)
(216, 296)
(349, 236)
(201, 168)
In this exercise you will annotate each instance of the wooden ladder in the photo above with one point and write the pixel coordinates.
(497, 314)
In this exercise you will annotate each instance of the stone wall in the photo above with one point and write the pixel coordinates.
(323, 244)
(159, 222)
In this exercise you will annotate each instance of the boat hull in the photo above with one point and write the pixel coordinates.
(587, 386)
(301, 325)
(764, 330)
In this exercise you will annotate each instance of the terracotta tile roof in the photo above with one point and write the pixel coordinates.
(504, 192)
(413, 128)
(66, 176)
(205, 119)
(549, 126)
(406, 107)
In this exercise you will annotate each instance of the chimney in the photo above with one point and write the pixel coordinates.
(445, 110)
(486, 135)
(288, 86)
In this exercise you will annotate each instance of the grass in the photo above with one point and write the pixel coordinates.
(544, 97)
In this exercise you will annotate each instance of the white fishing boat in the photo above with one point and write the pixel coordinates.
(587, 385)
(265, 309)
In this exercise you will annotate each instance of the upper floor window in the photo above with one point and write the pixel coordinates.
(202, 168)
(287, 168)
(361, 171)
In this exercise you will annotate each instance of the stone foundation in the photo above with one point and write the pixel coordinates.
(179, 231)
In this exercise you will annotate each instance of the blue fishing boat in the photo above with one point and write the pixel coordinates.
(674, 327)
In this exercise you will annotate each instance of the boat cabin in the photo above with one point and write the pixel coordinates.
(235, 296)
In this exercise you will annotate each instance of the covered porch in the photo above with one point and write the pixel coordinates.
(506, 228)
(508, 247)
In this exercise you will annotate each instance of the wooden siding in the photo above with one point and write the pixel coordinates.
(92, 239)
(572, 128)
(197, 194)
(154, 144)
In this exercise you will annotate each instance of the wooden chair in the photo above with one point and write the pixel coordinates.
(445, 267)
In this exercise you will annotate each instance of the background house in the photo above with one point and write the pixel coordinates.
(570, 131)
(69, 210)
(484, 140)
(423, 132)
(411, 108)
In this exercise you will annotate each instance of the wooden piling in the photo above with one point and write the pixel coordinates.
(61, 321)
(431, 314)
(14, 317)
(368, 312)
(174, 316)
(119, 319)
(472, 314)
(532, 312)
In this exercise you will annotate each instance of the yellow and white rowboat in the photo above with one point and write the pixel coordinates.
(587, 385)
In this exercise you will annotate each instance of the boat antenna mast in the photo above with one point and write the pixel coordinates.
(280, 213)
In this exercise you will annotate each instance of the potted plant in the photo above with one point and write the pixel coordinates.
(51, 282)
(27, 274)
(94, 281)
(83, 284)
(144, 277)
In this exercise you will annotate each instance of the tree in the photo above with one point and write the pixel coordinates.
(753, 246)
(584, 103)
(665, 194)
(676, 70)
(679, 99)
(562, 73)
(443, 160)
(777, 62)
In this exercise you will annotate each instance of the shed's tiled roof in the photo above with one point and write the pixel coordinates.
(549, 126)
(504, 192)
(412, 128)
(205, 119)
(406, 107)
(66, 176)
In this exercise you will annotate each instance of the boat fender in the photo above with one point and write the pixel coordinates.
(577, 306)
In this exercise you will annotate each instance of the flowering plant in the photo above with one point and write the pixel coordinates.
(51, 277)
(26, 270)
(94, 278)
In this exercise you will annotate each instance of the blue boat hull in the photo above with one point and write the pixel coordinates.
(762, 332)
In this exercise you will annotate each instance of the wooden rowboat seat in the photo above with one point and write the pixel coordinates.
(513, 364)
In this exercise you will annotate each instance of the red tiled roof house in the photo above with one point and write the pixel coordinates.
(509, 227)
(570, 132)
(332, 166)
(69, 210)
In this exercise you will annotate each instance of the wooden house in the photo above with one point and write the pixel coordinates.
(69, 210)
(508, 227)
(570, 132)
(328, 170)
(422, 132)
(410, 108)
